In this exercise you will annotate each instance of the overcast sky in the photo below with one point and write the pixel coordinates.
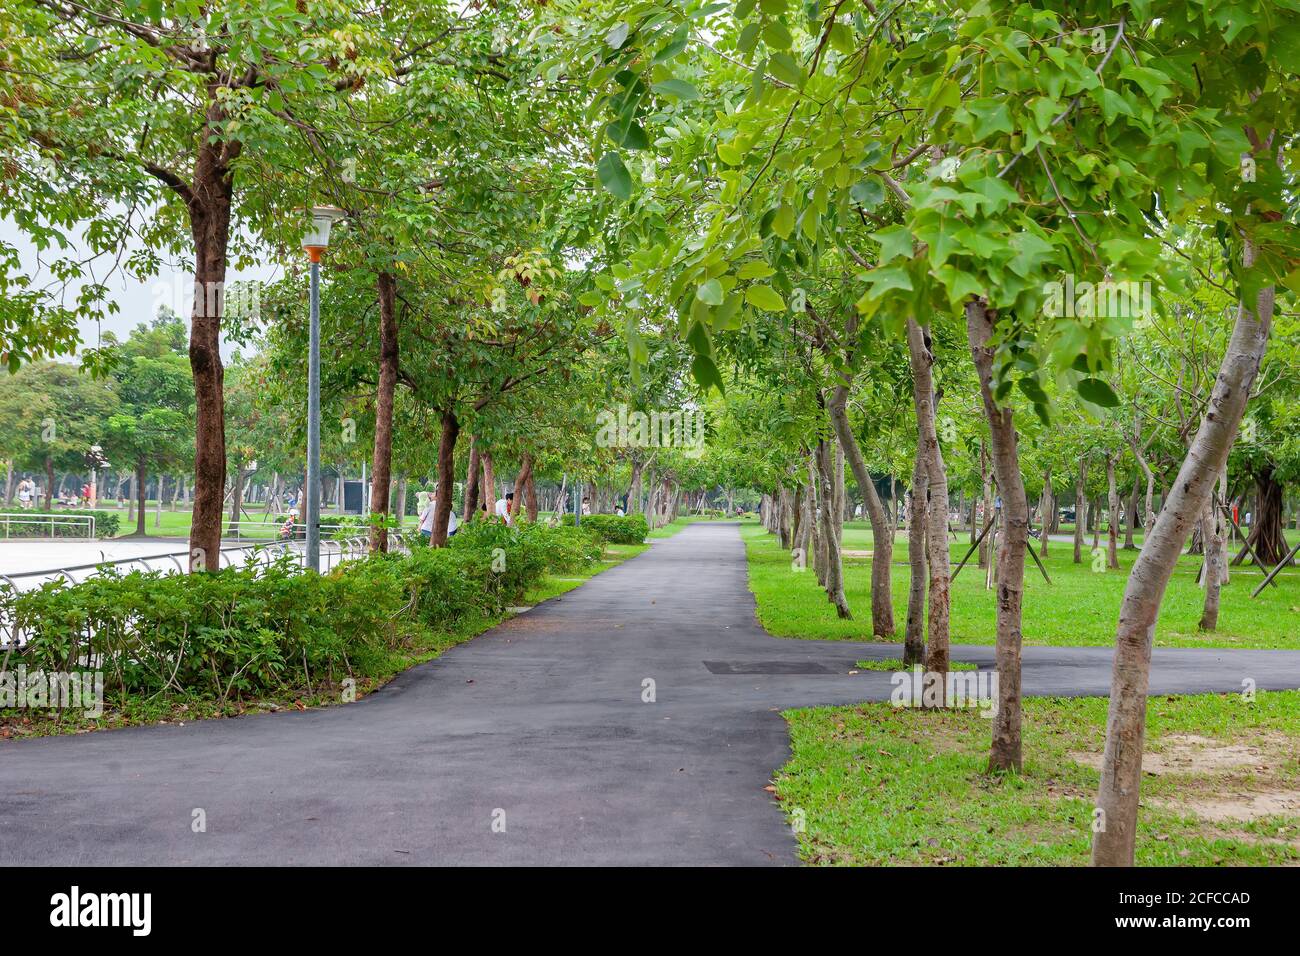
(137, 301)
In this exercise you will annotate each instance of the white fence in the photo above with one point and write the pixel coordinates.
(53, 522)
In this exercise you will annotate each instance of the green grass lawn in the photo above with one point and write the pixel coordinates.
(1080, 607)
(875, 784)
(176, 524)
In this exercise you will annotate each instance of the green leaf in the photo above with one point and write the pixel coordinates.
(631, 136)
(710, 292)
(1033, 390)
(764, 297)
(777, 35)
(617, 35)
(869, 193)
(786, 69)
(677, 89)
(989, 116)
(1098, 392)
(783, 221)
(754, 270)
(730, 154)
(614, 175)
(675, 45)
(706, 373)
(894, 242)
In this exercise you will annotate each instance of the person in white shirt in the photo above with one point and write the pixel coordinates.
(25, 493)
(503, 506)
(426, 520)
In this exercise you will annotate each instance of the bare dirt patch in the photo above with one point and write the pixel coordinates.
(1194, 755)
(1239, 807)
(1231, 782)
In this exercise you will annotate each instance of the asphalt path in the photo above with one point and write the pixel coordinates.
(535, 743)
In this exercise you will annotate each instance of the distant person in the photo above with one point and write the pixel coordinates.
(503, 506)
(26, 492)
(619, 511)
(287, 530)
(586, 505)
(426, 520)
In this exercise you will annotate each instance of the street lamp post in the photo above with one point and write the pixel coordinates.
(315, 242)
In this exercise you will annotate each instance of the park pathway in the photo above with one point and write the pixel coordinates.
(539, 725)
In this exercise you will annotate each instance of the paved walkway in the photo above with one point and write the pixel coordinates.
(541, 718)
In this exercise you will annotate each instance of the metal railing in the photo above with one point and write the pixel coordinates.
(261, 528)
(53, 522)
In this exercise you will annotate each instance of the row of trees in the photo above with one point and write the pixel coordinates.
(920, 174)
(876, 222)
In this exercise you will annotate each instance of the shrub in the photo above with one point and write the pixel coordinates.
(106, 524)
(614, 529)
(250, 629)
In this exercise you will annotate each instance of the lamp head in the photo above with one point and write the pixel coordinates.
(317, 238)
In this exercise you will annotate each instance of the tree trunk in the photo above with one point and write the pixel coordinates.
(236, 499)
(830, 515)
(817, 503)
(1267, 537)
(1121, 776)
(49, 483)
(521, 481)
(472, 478)
(210, 225)
(401, 502)
(1080, 509)
(530, 497)
(1130, 524)
(634, 485)
(785, 536)
(488, 482)
(1112, 526)
(1049, 509)
(158, 504)
(938, 565)
(1212, 571)
(986, 545)
(914, 634)
(1005, 753)
(142, 493)
(381, 466)
(652, 489)
(446, 477)
(882, 532)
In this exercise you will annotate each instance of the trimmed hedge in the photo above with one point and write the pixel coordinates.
(614, 529)
(106, 524)
(249, 630)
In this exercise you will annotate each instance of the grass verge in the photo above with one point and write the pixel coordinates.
(874, 784)
(1080, 607)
